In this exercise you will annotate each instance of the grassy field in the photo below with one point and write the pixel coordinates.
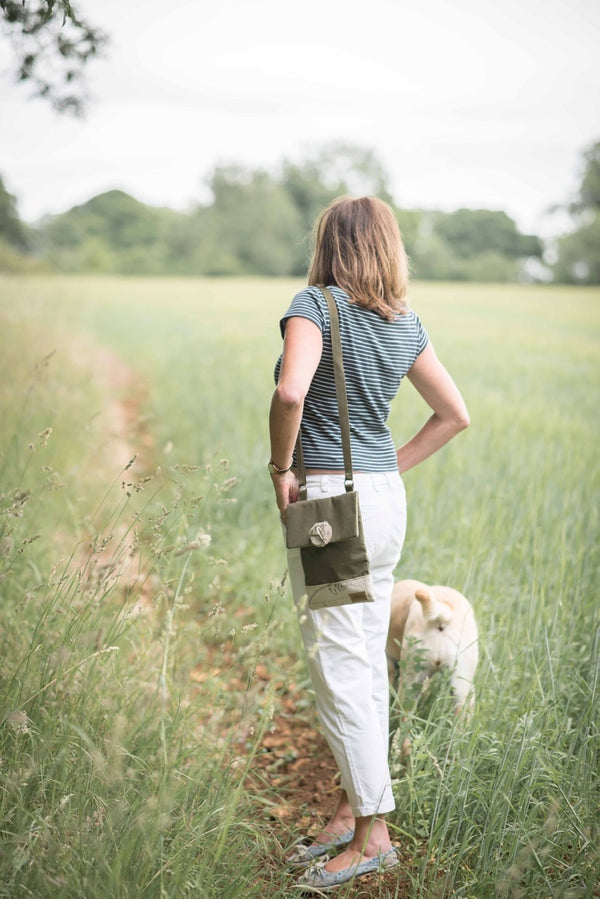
(135, 593)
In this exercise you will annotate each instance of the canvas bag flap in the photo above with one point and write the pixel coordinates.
(317, 522)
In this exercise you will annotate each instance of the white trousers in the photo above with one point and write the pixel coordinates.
(345, 645)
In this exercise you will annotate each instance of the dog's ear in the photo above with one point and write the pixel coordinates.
(435, 613)
(426, 600)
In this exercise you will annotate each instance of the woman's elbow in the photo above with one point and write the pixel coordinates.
(461, 420)
(289, 397)
(456, 419)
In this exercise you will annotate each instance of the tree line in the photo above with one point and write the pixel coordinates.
(258, 222)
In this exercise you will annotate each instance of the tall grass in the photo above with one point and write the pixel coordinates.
(123, 743)
(121, 771)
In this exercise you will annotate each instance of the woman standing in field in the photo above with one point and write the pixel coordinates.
(360, 256)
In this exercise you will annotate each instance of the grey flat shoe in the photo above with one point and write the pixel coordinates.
(304, 855)
(316, 879)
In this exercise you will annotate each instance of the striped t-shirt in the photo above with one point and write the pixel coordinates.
(377, 354)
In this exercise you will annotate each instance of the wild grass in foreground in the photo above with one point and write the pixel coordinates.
(121, 773)
(122, 768)
(120, 778)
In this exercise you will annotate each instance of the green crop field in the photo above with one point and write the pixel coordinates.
(142, 583)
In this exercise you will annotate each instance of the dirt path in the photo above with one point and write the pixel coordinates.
(294, 761)
(111, 556)
(123, 421)
(296, 764)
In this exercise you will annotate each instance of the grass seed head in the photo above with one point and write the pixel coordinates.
(19, 722)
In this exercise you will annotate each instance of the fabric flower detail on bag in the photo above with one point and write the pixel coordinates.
(321, 533)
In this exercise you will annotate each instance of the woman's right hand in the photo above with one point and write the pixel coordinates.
(286, 491)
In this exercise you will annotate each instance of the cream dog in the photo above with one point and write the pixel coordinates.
(433, 628)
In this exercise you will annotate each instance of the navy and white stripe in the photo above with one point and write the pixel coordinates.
(377, 355)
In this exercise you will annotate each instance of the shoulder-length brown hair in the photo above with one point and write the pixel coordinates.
(358, 246)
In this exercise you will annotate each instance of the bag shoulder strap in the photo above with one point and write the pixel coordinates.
(342, 400)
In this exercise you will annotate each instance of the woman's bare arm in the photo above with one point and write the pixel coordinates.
(450, 415)
(302, 347)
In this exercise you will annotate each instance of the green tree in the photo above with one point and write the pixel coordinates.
(578, 253)
(310, 196)
(432, 258)
(114, 217)
(470, 245)
(12, 230)
(334, 170)
(185, 238)
(253, 226)
(53, 45)
(410, 224)
(353, 169)
(112, 232)
(589, 190)
(469, 232)
(259, 223)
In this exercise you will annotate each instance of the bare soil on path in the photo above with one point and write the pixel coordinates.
(296, 763)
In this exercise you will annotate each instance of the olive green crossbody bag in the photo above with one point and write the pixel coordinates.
(328, 530)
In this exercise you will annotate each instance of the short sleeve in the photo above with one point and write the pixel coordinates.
(309, 303)
(421, 335)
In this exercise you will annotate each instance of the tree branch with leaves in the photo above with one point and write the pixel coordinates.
(53, 45)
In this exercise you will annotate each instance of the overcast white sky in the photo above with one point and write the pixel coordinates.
(481, 103)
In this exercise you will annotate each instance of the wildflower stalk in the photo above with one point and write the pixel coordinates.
(163, 691)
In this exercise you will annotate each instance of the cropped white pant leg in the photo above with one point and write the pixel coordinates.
(345, 645)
